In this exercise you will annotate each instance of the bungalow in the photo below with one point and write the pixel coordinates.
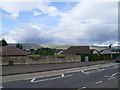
(10, 50)
(94, 51)
(106, 51)
(12, 54)
(58, 52)
(83, 51)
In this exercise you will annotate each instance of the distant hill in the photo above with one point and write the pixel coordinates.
(30, 46)
(36, 46)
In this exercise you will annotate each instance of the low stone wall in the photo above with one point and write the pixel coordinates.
(41, 60)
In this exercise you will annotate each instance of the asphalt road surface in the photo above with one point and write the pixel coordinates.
(21, 69)
(97, 77)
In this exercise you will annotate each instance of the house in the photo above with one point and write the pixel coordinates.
(58, 52)
(10, 50)
(106, 51)
(11, 54)
(94, 51)
(83, 51)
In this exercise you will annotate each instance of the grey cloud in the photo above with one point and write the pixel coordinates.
(82, 25)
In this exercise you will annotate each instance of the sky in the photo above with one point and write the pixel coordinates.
(79, 22)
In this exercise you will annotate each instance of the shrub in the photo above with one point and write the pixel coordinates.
(105, 56)
(60, 56)
(94, 57)
(35, 57)
(10, 62)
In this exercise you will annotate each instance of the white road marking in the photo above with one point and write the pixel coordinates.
(112, 75)
(106, 66)
(83, 87)
(77, 70)
(36, 77)
(82, 71)
(91, 71)
(98, 69)
(51, 73)
(53, 78)
(62, 75)
(103, 69)
(1, 86)
(73, 71)
(107, 76)
(99, 82)
(69, 75)
(116, 66)
(42, 76)
(111, 78)
(33, 80)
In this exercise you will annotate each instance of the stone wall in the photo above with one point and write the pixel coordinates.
(41, 60)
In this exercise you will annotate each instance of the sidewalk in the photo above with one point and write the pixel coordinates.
(22, 69)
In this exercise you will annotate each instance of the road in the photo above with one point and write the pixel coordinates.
(21, 69)
(96, 76)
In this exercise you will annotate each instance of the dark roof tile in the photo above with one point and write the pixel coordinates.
(10, 50)
(78, 50)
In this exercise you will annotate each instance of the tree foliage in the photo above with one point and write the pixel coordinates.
(3, 42)
(19, 46)
(44, 51)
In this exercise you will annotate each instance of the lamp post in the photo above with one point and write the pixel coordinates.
(110, 48)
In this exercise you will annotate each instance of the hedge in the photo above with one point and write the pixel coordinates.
(35, 57)
(60, 56)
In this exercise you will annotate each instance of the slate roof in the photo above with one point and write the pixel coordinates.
(10, 50)
(74, 50)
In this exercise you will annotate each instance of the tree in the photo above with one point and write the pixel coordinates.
(110, 46)
(19, 46)
(3, 42)
(32, 51)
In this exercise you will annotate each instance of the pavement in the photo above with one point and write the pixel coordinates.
(22, 69)
(95, 76)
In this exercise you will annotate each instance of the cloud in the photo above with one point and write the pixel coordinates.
(36, 13)
(0, 31)
(59, 0)
(90, 23)
(53, 11)
(87, 23)
(14, 8)
(31, 34)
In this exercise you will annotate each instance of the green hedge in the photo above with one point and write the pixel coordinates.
(60, 56)
(105, 57)
(94, 57)
(115, 55)
(35, 57)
